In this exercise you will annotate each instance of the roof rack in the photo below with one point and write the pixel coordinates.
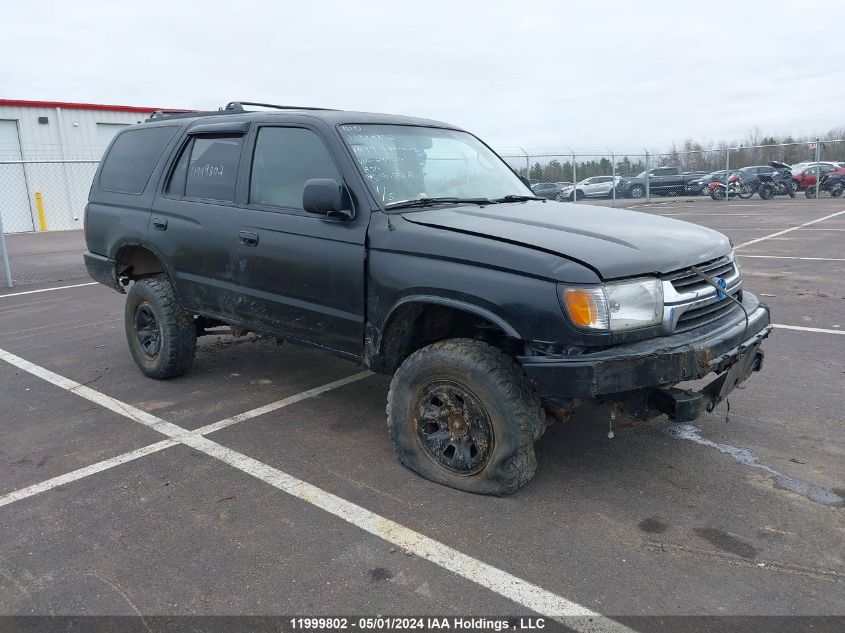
(159, 115)
(233, 107)
(238, 106)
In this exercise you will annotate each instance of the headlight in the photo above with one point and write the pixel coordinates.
(615, 307)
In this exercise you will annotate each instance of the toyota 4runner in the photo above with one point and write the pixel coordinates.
(410, 246)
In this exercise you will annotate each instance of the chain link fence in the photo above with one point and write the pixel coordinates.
(42, 200)
(623, 177)
(41, 214)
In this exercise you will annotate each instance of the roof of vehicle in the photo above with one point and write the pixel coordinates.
(235, 111)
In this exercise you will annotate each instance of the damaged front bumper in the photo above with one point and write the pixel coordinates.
(644, 373)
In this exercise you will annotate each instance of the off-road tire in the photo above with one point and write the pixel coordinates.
(499, 384)
(177, 332)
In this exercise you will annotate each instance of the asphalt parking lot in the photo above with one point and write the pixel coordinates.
(263, 482)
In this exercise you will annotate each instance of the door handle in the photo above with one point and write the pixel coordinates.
(248, 239)
(160, 224)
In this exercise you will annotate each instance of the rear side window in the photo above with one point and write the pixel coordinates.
(207, 168)
(131, 159)
(285, 159)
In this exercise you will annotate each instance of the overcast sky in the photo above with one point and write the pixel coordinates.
(533, 74)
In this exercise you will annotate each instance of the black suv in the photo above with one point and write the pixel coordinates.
(410, 246)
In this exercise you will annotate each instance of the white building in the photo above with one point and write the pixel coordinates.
(52, 148)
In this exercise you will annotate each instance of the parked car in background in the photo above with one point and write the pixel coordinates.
(699, 186)
(797, 168)
(548, 190)
(664, 181)
(807, 177)
(593, 187)
(750, 174)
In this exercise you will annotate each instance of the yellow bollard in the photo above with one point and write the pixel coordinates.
(39, 204)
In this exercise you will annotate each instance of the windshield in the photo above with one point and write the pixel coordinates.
(404, 162)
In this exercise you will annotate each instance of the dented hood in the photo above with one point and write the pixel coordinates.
(613, 242)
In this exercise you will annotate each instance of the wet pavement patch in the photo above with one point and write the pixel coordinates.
(726, 542)
(746, 457)
(653, 526)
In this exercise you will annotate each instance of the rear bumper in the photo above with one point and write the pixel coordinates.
(101, 269)
(657, 362)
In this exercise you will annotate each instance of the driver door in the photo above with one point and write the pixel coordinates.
(300, 275)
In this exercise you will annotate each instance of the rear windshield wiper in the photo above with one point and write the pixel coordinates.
(512, 197)
(426, 202)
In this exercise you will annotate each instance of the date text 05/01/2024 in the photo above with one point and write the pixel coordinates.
(386, 623)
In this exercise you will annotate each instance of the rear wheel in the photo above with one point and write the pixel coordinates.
(836, 190)
(162, 337)
(766, 191)
(717, 193)
(810, 192)
(746, 191)
(462, 413)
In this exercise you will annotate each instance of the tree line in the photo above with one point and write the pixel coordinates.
(691, 155)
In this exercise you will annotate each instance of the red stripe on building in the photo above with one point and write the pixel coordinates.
(21, 103)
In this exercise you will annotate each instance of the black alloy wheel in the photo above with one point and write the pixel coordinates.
(147, 331)
(454, 428)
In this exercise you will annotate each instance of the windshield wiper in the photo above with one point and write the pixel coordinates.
(512, 197)
(427, 202)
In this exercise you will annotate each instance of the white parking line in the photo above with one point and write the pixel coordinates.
(142, 417)
(80, 473)
(812, 259)
(32, 292)
(794, 228)
(801, 328)
(278, 404)
(499, 581)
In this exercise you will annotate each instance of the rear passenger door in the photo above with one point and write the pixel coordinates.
(600, 186)
(194, 223)
(300, 274)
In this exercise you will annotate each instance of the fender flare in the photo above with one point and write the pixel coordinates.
(452, 303)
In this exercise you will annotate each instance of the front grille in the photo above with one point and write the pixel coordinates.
(686, 281)
(707, 313)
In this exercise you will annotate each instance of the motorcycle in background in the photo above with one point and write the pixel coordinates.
(734, 188)
(834, 184)
(776, 184)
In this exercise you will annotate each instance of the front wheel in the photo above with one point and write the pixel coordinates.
(746, 191)
(836, 190)
(162, 336)
(462, 413)
(637, 191)
(810, 192)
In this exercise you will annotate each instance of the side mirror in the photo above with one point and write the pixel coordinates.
(323, 196)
